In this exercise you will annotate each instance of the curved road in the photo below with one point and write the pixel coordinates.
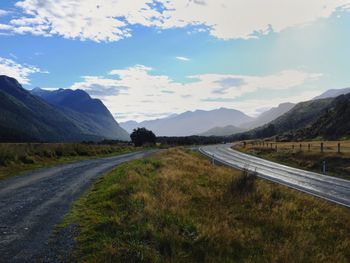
(333, 189)
(31, 205)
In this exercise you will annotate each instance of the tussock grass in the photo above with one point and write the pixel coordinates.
(177, 207)
(15, 158)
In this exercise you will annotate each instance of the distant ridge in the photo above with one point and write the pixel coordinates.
(269, 115)
(327, 118)
(191, 122)
(332, 93)
(223, 131)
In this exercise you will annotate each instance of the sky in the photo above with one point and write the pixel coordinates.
(148, 59)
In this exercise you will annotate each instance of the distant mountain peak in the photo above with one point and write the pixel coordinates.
(332, 93)
(191, 122)
(59, 116)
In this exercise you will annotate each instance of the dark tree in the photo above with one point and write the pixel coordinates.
(141, 136)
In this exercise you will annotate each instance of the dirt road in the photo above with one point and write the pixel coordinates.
(31, 206)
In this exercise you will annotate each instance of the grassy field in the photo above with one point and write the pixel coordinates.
(17, 158)
(177, 207)
(337, 164)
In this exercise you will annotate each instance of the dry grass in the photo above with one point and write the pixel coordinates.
(315, 146)
(177, 207)
(19, 157)
(337, 164)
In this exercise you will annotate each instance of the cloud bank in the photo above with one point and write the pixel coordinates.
(135, 92)
(112, 20)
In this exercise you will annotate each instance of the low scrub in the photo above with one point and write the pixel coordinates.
(244, 183)
(23, 156)
(177, 207)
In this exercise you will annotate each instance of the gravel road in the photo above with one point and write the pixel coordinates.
(31, 205)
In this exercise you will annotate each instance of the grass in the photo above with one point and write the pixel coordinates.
(21, 157)
(177, 207)
(337, 164)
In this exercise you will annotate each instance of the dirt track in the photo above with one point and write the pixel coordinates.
(31, 206)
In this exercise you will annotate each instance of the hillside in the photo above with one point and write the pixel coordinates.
(334, 123)
(191, 122)
(25, 117)
(332, 93)
(91, 115)
(222, 131)
(300, 116)
(269, 115)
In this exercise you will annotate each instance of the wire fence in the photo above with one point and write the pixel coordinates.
(312, 146)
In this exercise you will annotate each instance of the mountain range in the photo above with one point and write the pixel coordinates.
(191, 122)
(219, 122)
(327, 118)
(57, 116)
(66, 115)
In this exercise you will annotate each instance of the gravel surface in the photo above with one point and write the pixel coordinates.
(31, 206)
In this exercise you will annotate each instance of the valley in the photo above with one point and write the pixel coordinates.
(187, 131)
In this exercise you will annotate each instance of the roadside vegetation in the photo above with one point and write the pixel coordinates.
(299, 155)
(177, 207)
(20, 157)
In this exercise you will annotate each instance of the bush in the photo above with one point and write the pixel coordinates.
(245, 183)
(142, 136)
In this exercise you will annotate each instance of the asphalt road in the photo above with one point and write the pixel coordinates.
(31, 205)
(331, 188)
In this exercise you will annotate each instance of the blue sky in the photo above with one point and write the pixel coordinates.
(151, 58)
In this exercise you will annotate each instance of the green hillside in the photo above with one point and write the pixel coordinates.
(25, 117)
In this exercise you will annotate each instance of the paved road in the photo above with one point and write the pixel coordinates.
(330, 188)
(31, 205)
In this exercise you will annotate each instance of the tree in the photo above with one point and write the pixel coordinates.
(140, 136)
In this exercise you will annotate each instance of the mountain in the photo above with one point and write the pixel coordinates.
(269, 115)
(223, 131)
(333, 123)
(300, 116)
(191, 122)
(25, 117)
(332, 93)
(91, 115)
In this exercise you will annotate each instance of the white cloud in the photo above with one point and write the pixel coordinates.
(4, 12)
(182, 58)
(244, 18)
(20, 72)
(141, 91)
(111, 20)
(5, 27)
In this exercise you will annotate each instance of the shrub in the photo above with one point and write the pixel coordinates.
(244, 183)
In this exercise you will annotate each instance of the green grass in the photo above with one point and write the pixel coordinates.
(177, 207)
(337, 164)
(18, 158)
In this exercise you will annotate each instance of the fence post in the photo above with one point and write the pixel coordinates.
(308, 147)
(321, 147)
(339, 147)
(324, 167)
